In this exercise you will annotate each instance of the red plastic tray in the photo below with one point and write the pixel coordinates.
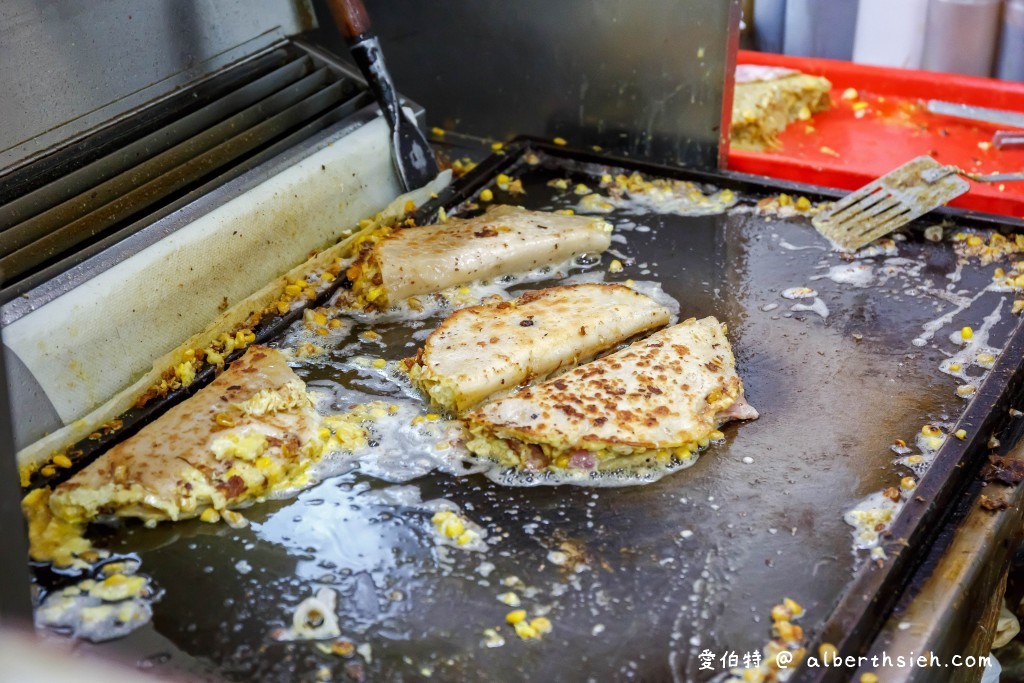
(837, 149)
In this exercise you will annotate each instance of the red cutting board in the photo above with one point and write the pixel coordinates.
(842, 151)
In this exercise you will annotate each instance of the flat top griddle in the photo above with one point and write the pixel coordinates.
(644, 598)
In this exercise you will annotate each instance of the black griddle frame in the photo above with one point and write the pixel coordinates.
(869, 599)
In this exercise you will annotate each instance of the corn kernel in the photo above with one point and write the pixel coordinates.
(327, 276)
(541, 625)
(224, 420)
(437, 132)
(803, 204)
(974, 241)
(497, 147)
(850, 94)
(908, 483)
(966, 333)
(998, 274)
(615, 266)
(61, 460)
(282, 307)
(828, 652)
(794, 607)
(320, 318)
(560, 142)
(525, 631)
(931, 430)
(322, 331)
(780, 613)
(954, 367)
(210, 516)
(965, 390)
(510, 599)
(515, 616)
(502, 179)
(292, 290)
(486, 195)
(868, 678)
(48, 470)
(961, 434)
(785, 200)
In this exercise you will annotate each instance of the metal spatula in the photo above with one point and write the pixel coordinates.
(414, 160)
(895, 199)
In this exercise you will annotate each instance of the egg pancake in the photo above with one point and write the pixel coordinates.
(492, 348)
(659, 398)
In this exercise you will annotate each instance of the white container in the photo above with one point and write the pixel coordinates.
(821, 28)
(1010, 64)
(961, 36)
(890, 33)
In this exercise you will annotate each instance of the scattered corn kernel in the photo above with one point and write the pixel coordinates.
(803, 204)
(785, 199)
(615, 266)
(61, 460)
(860, 106)
(961, 434)
(541, 625)
(794, 607)
(525, 631)
(954, 367)
(828, 652)
(379, 363)
(438, 132)
(965, 390)
(224, 420)
(510, 599)
(850, 94)
(497, 147)
(210, 515)
(908, 483)
(48, 470)
(292, 290)
(559, 141)
(868, 678)
(931, 430)
(486, 195)
(966, 333)
(515, 616)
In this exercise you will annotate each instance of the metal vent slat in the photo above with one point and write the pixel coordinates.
(76, 182)
(55, 225)
(58, 163)
(46, 246)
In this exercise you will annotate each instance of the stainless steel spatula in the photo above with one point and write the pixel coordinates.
(414, 160)
(895, 199)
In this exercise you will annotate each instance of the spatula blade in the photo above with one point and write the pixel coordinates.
(888, 203)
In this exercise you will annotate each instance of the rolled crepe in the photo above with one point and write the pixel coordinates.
(483, 350)
(251, 430)
(409, 262)
(659, 398)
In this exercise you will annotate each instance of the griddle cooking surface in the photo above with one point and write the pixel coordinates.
(646, 598)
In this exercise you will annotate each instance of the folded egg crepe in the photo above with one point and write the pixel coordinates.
(484, 350)
(662, 397)
(395, 264)
(251, 430)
